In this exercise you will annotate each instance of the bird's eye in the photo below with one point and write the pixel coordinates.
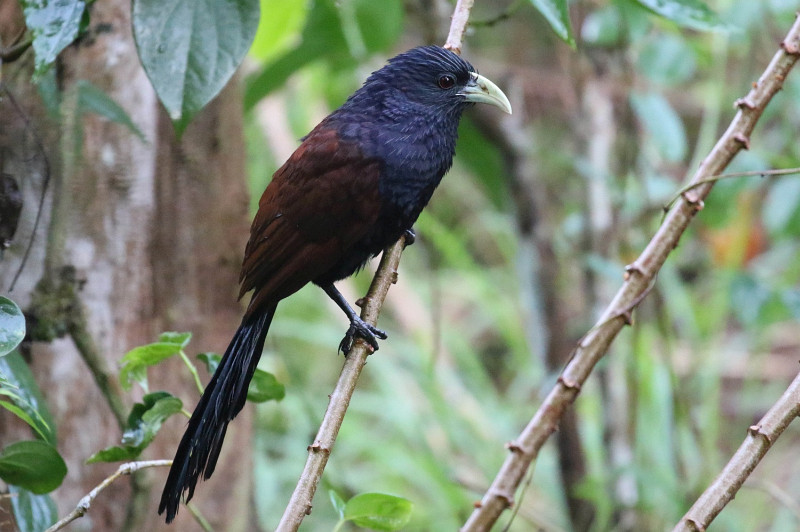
(446, 81)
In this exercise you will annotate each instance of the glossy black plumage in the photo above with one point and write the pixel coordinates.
(354, 185)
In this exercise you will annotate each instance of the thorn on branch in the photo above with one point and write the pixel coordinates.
(743, 139)
(568, 384)
(695, 525)
(631, 269)
(627, 317)
(515, 447)
(477, 504)
(744, 103)
(317, 447)
(696, 203)
(360, 302)
(755, 430)
(508, 500)
(790, 48)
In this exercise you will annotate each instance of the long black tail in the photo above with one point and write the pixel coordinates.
(222, 400)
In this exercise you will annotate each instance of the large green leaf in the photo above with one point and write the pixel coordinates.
(33, 513)
(34, 465)
(556, 12)
(378, 511)
(19, 385)
(144, 422)
(687, 13)
(322, 36)
(12, 326)
(54, 25)
(191, 48)
(137, 360)
(277, 29)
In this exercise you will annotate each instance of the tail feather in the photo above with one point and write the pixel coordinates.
(223, 399)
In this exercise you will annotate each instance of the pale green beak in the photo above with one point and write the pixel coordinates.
(481, 90)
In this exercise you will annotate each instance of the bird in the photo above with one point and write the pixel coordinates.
(355, 185)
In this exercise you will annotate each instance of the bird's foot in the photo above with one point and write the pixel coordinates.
(411, 237)
(360, 328)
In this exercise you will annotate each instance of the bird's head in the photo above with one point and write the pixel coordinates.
(434, 77)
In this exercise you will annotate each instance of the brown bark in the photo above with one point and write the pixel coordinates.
(154, 231)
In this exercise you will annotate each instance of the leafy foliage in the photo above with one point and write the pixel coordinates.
(137, 360)
(32, 513)
(33, 465)
(144, 422)
(556, 12)
(18, 384)
(12, 326)
(376, 511)
(191, 48)
(54, 25)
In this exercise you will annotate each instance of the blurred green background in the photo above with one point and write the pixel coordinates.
(525, 243)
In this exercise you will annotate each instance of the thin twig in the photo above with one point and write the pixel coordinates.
(84, 504)
(458, 25)
(715, 178)
(760, 438)
(318, 452)
(525, 449)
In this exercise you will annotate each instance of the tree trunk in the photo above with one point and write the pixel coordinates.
(149, 234)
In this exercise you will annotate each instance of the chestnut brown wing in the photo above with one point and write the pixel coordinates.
(320, 203)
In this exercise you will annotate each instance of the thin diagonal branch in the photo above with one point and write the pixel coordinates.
(318, 452)
(759, 440)
(458, 25)
(639, 276)
(84, 504)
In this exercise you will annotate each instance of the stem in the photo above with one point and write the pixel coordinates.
(318, 452)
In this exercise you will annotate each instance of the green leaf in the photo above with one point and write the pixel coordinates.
(95, 100)
(556, 12)
(687, 13)
(191, 48)
(12, 326)
(378, 511)
(19, 384)
(172, 337)
(265, 387)
(144, 422)
(33, 513)
(137, 360)
(54, 25)
(277, 29)
(211, 361)
(322, 37)
(34, 465)
(380, 23)
(662, 124)
(337, 502)
(17, 411)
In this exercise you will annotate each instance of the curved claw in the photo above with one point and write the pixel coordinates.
(411, 236)
(362, 329)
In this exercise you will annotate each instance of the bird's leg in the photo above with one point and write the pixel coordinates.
(357, 325)
(411, 236)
